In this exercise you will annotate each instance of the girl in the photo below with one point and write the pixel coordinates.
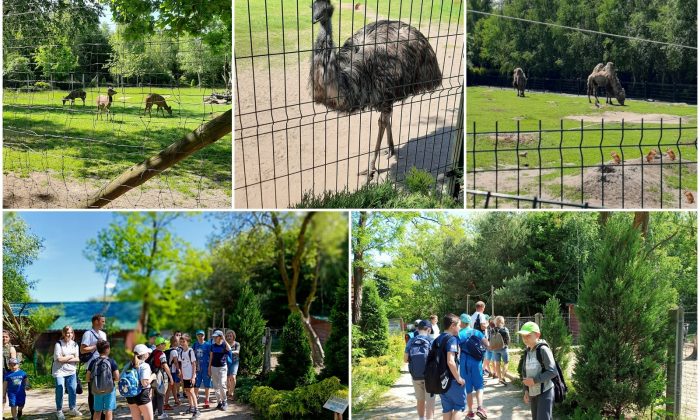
(188, 371)
(140, 405)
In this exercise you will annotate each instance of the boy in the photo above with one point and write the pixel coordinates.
(15, 385)
(453, 400)
(418, 348)
(472, 369)
(104, 402)
(218, 369)
(172, 355)
(188, 370)
(201, 350)
(158, 361)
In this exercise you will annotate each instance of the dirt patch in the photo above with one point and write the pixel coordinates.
(513, 138)
(629, 117)
(51, 190)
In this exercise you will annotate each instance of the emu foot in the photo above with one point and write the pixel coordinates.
(390, 152)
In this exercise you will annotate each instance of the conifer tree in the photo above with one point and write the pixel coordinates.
(555, 332)
(373, 322)
(336, 351)
(295, 366)
(248, 323)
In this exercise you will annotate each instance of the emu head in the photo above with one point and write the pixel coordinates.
(621, 96)
(322, 10)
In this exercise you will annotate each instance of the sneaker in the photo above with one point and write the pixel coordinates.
(470, 415)
(167, 407)
(75, 412)
(503, 382)
(481, 413)
(60, 416)
(224, 406)
(218, 406)
(164, 416)
(206, 404)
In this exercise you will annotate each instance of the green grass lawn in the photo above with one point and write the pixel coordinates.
(488, 107)
(278, 26)
(41, 134)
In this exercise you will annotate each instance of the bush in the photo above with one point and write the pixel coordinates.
(301, 402)
(244, 388)
(336, 349)
(555, 332)
(182, 81)
(295, 366)
(42, 85)
(373, 376)
(419, 181)
(250, 329)
(373, 322)
(357, 351)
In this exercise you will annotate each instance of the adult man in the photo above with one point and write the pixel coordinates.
(88, 345)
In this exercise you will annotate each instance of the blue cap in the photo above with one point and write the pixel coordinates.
(424, 325)
(465, 319)
(199, 332)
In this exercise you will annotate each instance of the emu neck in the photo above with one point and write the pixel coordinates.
(324, 40)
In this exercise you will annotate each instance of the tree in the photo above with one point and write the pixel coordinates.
(624, 332)
(249, 325)
(26, 327)
(373, 323)
(295, 366)
(336, 351)
(556, 333)
(20, 247)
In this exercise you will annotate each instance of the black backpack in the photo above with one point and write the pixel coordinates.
(437, 375)
(418, 357)
(474, 347)
(560, 387)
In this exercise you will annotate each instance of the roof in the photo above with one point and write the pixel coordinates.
(79, 314)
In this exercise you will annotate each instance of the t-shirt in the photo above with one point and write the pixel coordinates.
(482, 317)
(533, 369)
(464, 335)
(173, 356)
(218, 355)
(144, 374)
(15, 382)
(201, 350)
(236, 346)
(63, 349)
(90, 338)
(158, 359)
(187, 361)
(435, 332)
(112, 364)
(452, 345)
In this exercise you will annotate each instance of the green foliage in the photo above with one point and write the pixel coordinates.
(244, 387)
(373, 322)
(20, 247)
(42, 85)
(17, 67)
(419, 181)
(624, 324)
(248, 322)
(295, 367)
(301, 402)
(56, 59)
(373, 376)
(336, 348)
(357, 351)
(136, 58)
(555, 332)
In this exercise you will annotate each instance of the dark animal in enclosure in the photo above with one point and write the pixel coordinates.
(73, 95)
(104, 103)
(159, 102)
(382, 63)
(519, 81)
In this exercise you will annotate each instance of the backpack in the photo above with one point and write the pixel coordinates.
(474, 347)
(86, 357)
(560, 387)
(129, 381)
(101, 380)
(418, 357)
(437, 375)
(496, 342)
(162, 382)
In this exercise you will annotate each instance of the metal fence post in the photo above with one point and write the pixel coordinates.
(674, 366)
(457, 150)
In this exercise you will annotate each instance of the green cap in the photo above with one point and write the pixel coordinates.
(529, 328)
(160, 340)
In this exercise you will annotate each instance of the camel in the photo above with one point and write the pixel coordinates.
(605, 76)
(519, 81)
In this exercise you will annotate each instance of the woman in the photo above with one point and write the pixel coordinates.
(140, 405)
(539, 391)
(65, 360)
(232, 362)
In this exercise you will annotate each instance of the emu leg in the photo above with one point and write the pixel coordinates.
(377, 146)
(389, 135)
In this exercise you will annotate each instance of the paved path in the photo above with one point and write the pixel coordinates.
(41, 406)
(501, 402)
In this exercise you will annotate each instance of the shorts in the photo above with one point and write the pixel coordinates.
(187, 384)
(17, 400)
(105, 402)
(203, 380)
(233, 368)
(455, 399)
(176, 377)
(421, 393)
(488, 355)
(473, 373)
(143, 398)
(501, 355)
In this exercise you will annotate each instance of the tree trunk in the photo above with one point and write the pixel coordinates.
(358, 273)
(315, 342)
(641, 222)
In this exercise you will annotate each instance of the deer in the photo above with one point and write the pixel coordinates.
(73, 95)
(159, 101)
(104, 103)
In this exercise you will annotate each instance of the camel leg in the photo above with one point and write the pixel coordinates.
(377, 146)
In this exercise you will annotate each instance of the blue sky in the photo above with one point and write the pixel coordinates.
(63, 273)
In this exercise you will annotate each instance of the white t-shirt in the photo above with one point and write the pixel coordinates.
(436, 331)
(171, 360)
(144, 374)
(63, 349)
(90, 338)
(187, 361)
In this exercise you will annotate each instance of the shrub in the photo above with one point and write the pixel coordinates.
(357, 351)
(301, 402)
(555, 332)
(250, 329)
(373, 322)
(182, 81)
(336, 348)
(295, 366)
(244, 388)
(373, 376)
(42, 85)
(419, 181)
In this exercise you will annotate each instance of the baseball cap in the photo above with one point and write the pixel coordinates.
(198, 332)
(529, 328)
(465, 318)
(160, 340)
(217, 333)
(424, 325)
(153, 334)
(13, 361)
(141, 349)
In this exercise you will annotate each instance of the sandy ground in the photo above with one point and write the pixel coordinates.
(54, 190)
(689, 396)
(285, 145)
(41, 405)
(629, 117)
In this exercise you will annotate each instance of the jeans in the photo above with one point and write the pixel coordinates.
(66, 384)
(218, 376)
(541, 405)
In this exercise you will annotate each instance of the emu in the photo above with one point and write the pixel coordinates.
(104, 103)
(73, 95)
(519, 81)
(381, 64)
(159, 102)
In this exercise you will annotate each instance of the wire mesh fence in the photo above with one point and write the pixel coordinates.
(590, 164)
(689, 376)
(79, 115)
(290, 143)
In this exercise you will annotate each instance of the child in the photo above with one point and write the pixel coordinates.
(499, 343)
(99, 369)
(232, 361)
(471, 369)
(201, 350)
(140, 406)
(217, 367)
(15, 385)
(158, 361)
(416, 355)
(453, 400)
(172, 355)
(537, 377)
(188, 370)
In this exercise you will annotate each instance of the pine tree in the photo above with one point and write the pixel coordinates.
(295, 366)
(373, 322)
(623, 312)
(336, 351)
(248, 323)
(555, 332)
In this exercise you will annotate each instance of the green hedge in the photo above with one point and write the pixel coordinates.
(373, 376)
(301, 402)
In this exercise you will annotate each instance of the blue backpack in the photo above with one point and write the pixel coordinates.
(474, 347)
(418, 357)
(129, 382)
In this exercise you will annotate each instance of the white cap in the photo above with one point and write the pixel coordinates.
(141, 349)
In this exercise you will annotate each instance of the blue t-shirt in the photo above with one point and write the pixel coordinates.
(219, 355)
(201, 351)
(452, 345)
(464, 335)
(15, 382)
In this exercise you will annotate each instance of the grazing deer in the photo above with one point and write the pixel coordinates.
(616, 158)
(159, 101)
(104, 103)
(73, 95)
